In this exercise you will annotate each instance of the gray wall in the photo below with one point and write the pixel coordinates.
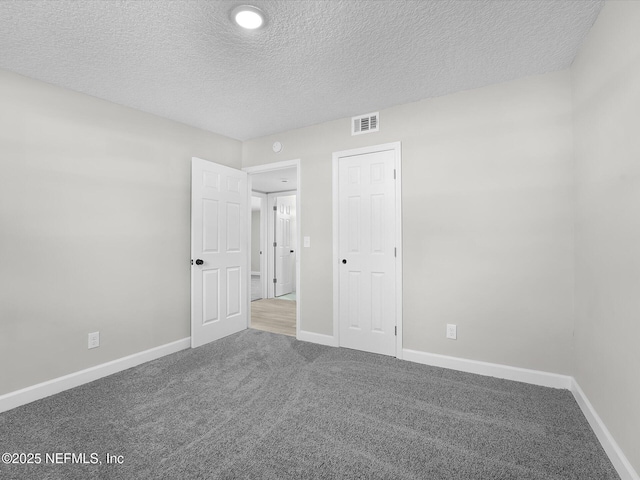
(488, 219)
(606, 81)
(95, 229)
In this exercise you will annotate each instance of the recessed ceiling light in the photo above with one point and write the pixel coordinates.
(248, 17)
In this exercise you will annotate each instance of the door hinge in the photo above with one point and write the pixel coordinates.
(275, 280)
(275, 244)
(394, 173)
(395, 251)
(275, 208)
(396, 331)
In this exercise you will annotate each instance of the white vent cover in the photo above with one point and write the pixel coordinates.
(365, 123)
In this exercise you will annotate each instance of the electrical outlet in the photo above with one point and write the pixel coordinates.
(452, 331)
(94, 340)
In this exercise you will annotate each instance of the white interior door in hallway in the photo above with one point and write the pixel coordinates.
(284, 248)
(368, 243)
(219, 251)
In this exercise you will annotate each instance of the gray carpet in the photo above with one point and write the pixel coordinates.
(259, 405)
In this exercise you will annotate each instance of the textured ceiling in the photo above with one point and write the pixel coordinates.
(275, 180)
(315, 61)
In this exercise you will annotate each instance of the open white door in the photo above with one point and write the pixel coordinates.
(219, 251)
(285, 250)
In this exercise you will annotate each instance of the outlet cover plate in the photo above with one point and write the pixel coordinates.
(94, 340)
(452, 331)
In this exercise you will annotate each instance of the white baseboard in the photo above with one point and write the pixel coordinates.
(534, 377)
(615, 454)
(328, 340)
(57, 385)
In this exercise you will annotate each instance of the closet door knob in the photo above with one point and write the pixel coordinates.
(199, 262)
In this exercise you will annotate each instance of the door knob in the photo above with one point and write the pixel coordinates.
(344, 261)
(290, 251)
(199, 262)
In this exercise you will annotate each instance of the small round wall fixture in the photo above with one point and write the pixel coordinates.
(249, 17)
(277, 147)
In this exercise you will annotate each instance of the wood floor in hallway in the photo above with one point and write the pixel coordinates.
(274, 315)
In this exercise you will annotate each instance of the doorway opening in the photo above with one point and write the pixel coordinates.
(274, 256)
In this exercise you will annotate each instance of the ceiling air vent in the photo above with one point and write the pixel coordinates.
(365, 124)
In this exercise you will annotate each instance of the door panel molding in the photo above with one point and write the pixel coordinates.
(354, 176)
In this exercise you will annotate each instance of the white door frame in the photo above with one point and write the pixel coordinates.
(396, 148)
(279, 166)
